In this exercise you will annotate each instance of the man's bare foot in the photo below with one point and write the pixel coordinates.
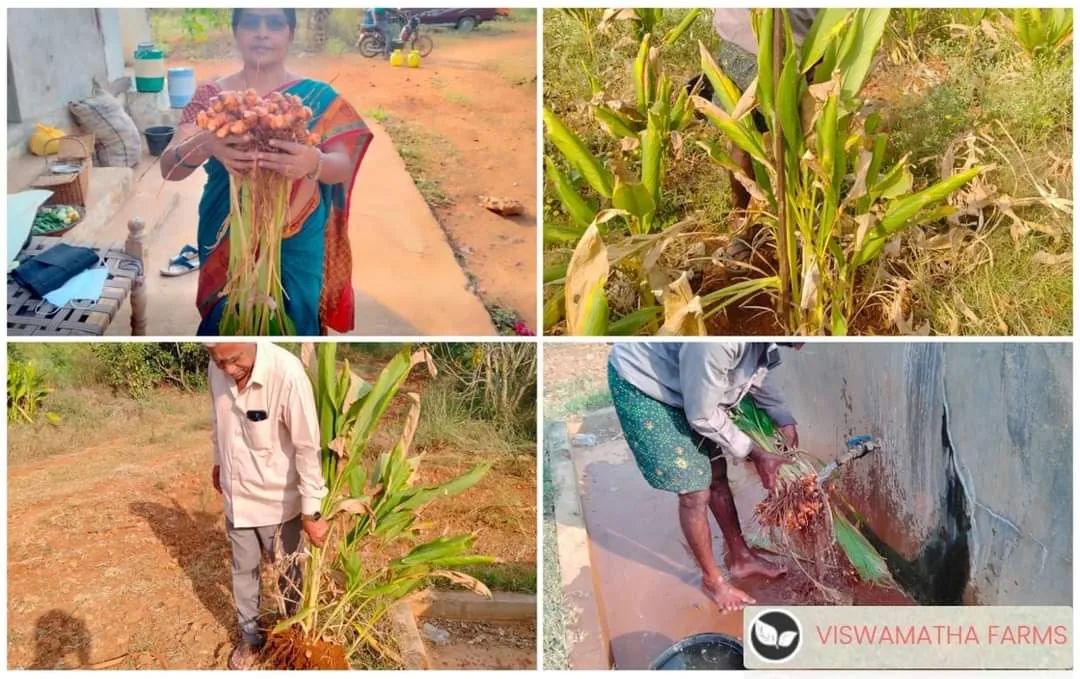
(725, 595)
(755, 565)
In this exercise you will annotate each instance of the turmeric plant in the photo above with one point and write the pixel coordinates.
(839, 203)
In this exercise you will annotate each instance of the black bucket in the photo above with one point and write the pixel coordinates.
(158, 138)
(702, 652)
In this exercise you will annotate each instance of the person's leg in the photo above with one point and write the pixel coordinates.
(740, 197)
(743, 561)
(288, 540)
(388, 41)
(668, 456)
(245, 579)
(694, 521)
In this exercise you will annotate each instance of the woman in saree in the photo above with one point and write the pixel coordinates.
(316, 261)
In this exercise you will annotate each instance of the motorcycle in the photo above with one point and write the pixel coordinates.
(371, 42)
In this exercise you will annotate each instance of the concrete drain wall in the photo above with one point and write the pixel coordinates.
(973, 498)
(405, 617)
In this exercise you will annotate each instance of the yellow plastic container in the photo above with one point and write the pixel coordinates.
(42, 134)
(396, 58)
(414, 59)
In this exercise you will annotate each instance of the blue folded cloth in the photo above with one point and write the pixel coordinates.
(48, 271)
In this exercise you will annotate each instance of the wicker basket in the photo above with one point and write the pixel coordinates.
(69, 227)
(68, 188)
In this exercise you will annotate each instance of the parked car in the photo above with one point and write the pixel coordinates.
(464, 19)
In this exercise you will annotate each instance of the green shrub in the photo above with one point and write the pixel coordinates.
(26, 392)
(135, 369)
(197, 24)
(343, 24)
(493, 382)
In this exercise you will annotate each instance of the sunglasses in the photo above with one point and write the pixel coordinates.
(273, 23)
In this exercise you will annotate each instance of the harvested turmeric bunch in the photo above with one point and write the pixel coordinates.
(275, 116)
(792, 505)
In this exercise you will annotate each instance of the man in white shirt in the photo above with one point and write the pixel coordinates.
(267, 469)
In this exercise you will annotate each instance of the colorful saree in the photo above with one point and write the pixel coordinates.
(316, 258)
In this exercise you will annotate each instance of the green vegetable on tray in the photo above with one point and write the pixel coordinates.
(53, 219)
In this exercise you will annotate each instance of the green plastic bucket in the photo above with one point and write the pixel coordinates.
(149, 68)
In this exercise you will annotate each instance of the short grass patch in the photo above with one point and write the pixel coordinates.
(556, 650)
(505, 577)
(95, 412)
(458, 98)
(574, 397)
(416, 147)
(1016, 295)
(379, 115)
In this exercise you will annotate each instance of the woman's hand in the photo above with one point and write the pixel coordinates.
(292, 160)
(225, 149)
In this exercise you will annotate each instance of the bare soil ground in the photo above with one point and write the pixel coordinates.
(466, 124)
(565, 362)
(503, 646)
(575, 379)
(116, 547)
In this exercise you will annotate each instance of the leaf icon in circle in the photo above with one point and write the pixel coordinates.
(766, 632)
(787, 639)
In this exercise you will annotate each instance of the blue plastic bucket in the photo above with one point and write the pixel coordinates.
(181, 86)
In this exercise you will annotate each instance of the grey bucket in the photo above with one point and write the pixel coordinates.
(707, 651)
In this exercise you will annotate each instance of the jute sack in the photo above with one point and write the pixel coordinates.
(117, 139)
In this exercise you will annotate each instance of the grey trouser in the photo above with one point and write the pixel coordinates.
(248, 545)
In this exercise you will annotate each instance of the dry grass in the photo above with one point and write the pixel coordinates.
(500, 510)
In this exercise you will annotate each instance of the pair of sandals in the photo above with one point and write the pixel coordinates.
(186, 261)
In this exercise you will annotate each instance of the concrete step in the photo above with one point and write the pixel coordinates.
(171, 213)
(111, 188)
(154, 208)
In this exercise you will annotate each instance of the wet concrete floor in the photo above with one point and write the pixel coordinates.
(646, 580)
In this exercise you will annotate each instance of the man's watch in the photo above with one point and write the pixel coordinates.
(311, 517)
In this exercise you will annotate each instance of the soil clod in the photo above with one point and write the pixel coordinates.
(291, 650)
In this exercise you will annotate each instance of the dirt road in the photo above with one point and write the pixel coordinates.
(117, 554)
(466, 124)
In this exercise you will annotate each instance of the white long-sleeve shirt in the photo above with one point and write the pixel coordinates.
(734, 25)
(270, 469)
(705, 379)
